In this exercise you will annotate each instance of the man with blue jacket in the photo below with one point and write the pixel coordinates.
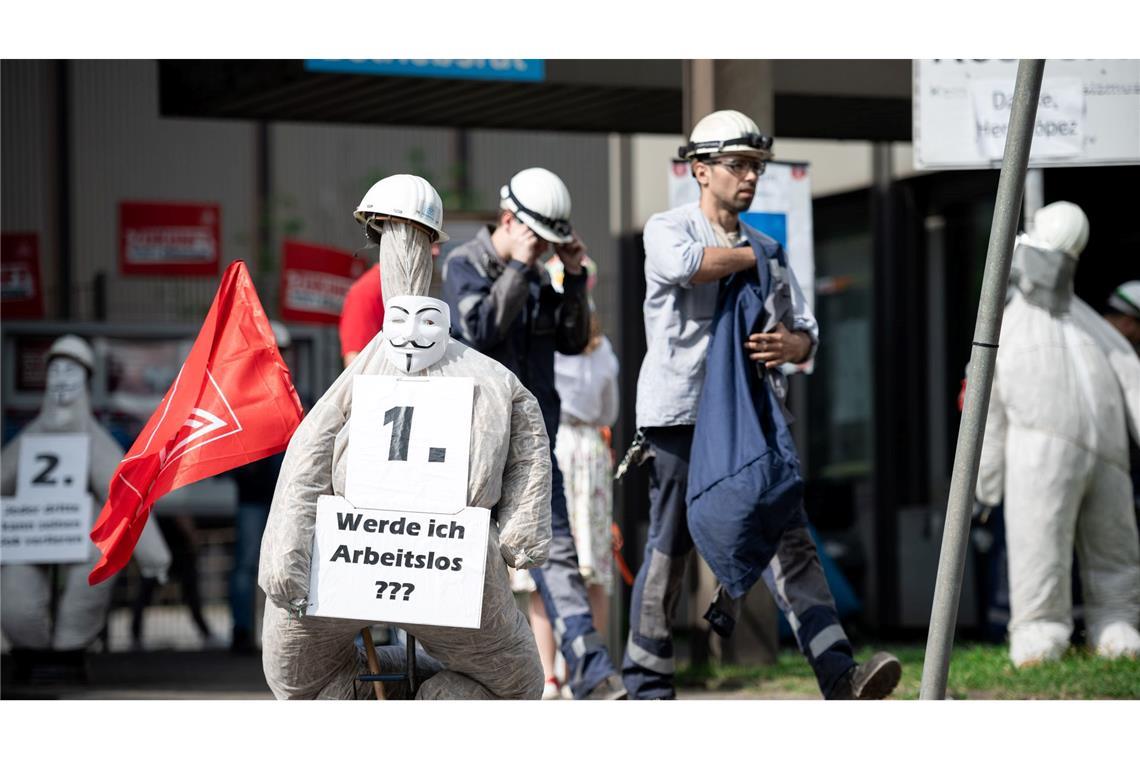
(503, 304)
(688, 250)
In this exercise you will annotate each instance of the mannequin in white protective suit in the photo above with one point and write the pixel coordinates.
(509, 470)
(26, 589)
(1066, 397)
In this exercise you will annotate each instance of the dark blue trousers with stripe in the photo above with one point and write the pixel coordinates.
(794, 576)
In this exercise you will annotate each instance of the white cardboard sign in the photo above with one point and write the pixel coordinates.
(398, 566)
(53, 464)
(49, 519)
(409, 443)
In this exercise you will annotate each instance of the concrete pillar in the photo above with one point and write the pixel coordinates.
(746, 86)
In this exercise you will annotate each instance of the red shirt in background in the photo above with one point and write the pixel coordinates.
(363, 313)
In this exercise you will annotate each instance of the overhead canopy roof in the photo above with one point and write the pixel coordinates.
(835, 99)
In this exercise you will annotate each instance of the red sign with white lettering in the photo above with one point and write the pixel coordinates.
(169, 238)
(315, 280)
(21, 289)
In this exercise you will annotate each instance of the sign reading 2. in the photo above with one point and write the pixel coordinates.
(50, 516)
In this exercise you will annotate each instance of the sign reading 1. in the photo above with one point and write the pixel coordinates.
(401, 545)
(50, 516)
(409, 440)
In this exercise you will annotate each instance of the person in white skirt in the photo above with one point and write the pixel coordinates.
(588, 386)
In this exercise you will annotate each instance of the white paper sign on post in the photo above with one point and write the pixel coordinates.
(1058, 131)
(409, 441)
(1088, 113)
(49, 518)
(398, 566)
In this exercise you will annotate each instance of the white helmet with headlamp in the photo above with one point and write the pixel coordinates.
(724, 132)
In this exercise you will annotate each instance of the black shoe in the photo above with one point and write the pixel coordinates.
(610, 688)
(874, 679)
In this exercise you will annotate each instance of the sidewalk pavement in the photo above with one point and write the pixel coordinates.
(211, 674)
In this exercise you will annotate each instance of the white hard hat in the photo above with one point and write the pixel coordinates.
(280, 334)
(1126, 299)
(404, 196)
(727, 132)
(541, 201)
(73, 347)
(1061, 226)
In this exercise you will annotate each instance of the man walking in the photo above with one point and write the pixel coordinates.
(687, 251)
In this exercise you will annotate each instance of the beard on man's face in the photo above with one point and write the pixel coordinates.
(740, 204)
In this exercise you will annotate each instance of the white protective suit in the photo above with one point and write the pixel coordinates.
(1066, 397)
(509, 471)
(26, 591)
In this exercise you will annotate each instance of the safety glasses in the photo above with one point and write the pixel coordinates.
(739, 168)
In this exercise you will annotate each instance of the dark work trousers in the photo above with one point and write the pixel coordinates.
(184, 565)
(794, 576)
(564, 596)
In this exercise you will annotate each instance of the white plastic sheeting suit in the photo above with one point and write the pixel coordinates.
(1066, 397)
(25, 604)
(509, 471)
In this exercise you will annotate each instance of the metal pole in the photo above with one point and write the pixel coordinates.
(951, 562)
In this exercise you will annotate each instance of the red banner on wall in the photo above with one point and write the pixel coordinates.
(169, 238)
(315, 280)
(21, 289)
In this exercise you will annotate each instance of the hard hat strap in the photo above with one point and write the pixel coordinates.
(560, 226)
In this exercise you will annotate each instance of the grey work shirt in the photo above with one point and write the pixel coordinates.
(679, 314)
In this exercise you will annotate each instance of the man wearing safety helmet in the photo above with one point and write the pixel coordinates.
(687, 251)
(1123, 312)
(505, 306)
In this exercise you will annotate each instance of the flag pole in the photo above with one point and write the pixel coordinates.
(951, 563)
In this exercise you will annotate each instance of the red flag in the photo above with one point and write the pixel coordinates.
(232, 403)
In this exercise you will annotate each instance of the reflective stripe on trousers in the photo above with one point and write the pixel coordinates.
(794, 577)
(563, 593)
